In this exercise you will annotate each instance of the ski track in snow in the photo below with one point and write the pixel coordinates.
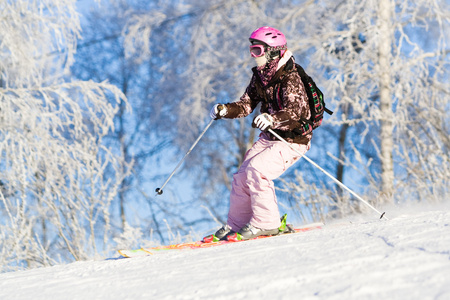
(407, 257)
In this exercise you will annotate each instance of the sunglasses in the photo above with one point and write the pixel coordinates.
(257, 50)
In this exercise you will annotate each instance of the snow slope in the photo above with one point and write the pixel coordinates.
(407, 257)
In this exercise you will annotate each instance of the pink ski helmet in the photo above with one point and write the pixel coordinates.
(267, 41)
(270, 36)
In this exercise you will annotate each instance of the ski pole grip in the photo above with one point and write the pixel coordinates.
(219, 108)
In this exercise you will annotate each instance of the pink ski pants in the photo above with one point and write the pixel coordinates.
(252, 198)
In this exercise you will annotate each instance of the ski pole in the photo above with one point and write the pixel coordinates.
(328, 174)
(159, 191)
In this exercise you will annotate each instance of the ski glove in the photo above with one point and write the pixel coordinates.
(263, 121)
(217, 113)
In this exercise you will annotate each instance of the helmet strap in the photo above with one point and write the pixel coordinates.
(273, 54)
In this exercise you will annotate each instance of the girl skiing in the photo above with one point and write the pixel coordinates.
(278, 87)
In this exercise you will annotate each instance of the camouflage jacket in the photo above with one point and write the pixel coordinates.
(283, 97)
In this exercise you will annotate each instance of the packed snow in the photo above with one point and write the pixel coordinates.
(405, 257)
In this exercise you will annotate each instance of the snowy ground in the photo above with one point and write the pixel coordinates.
(407, 257)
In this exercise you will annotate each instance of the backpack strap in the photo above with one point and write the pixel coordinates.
(261, 89)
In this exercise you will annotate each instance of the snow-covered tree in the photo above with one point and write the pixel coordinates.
(387, 63)
(101, 56)
(54, 194)
(147, 73)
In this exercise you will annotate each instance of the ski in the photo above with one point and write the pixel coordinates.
(199, 244)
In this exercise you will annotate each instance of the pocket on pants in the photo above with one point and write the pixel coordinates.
(285, 161)
(289, 157)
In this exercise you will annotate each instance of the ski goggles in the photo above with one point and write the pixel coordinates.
(257, 50)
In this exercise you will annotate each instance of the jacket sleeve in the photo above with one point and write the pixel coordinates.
(246, 104)
(294, 104)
